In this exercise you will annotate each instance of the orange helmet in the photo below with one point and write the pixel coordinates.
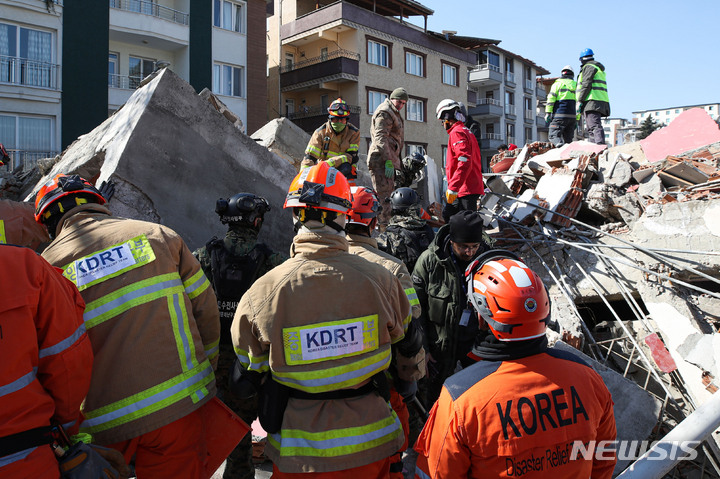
(62, 186)
(365, 206)
(320, 187)
(509, 296)
(339, 109)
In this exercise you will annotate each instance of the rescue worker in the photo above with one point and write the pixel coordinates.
(560, 108)
(153, 322)
(46, 360)
(521, 408)
(18, 225)
(449, 324)
(592, 96)
(408, 364)
(408, 233)
(232, 264)
(463, 167)
(322, 357)
(411, 170)
(336, 142)
(387, 135)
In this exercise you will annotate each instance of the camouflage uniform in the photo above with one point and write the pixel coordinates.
(406, 237)
(387, 143)
(239, 241)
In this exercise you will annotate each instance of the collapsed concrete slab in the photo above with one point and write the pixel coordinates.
(284, 138)
(172, 155)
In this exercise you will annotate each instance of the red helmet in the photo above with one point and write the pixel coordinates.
(365, 205)
(320, 187)
(509, 296)
(62, 186)
(339, 109)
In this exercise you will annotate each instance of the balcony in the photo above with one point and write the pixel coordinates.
(510, 78)
(26, 158)
(490, 141)
(528, 116)
(310, 118)
(510, 111)
(487, 107)
(21, 71)
(124, 82)
(152, 9)
(540, 92)
(337, 66)
(529, 86)
(485, 75)
(540, 122)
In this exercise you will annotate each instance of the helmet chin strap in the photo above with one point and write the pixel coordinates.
(316, 221)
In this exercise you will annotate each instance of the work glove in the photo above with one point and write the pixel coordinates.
(548, 119)
(107, 189)
(451, 196)
(336, 161)
(578, 112)
(389, 169)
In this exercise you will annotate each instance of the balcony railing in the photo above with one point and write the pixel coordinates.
(529, 85)
(124, 82)
(510, 77)
(21, 71)
(486, 66)
(510, 110)
(489, 101)
(491, 136)
(147, 7)
(26, 158)
(528, 115)
(322, 58)
(317, 110)
(510, 139)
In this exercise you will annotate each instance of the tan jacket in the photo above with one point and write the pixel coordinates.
(342, 146)
(324, 320)
(18, 225)
(387, 132)
(151, 316)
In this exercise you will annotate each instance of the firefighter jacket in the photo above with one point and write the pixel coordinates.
(561, 99)
(325, 144)
(324, 321)
(45, 353)
(463, 168)
(18, 225)
(519, 418)
(592, 88)
(151, 316)
(387, 135)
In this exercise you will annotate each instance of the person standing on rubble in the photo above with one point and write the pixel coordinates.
(560, 108)
(592, 95)
(387, 137)
(320, 355)
(46, 360)
(446, 318)
(408, 234)
(522, 406)
(335, 142)
(408, 364)
(232, 264)
(463, 167)
(153, 322)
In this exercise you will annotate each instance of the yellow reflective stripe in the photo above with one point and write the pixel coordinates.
(196, 285)
(212, 349)
(412, 296)
(339, 377)
(253, 363)
(181, 331)
(121, 300)
(3, 239)
(353, 147)
(149, 401)
(336, 442)
(313, 150)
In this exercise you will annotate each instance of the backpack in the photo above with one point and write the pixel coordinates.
(405, 244)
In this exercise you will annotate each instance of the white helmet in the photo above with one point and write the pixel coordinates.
(446, 105)
(567, 68)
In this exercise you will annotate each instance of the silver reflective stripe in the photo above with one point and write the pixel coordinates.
(198, 283)
(64, 344)
(369, 370)
(180, 319)
(18, 456)
(19, 383)
(129, 297)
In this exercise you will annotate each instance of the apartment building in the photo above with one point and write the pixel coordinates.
(619, 131)
(66, 66)
(665, 115)
(318, 53)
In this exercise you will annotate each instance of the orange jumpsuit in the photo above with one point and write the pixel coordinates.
(45, 354)
(518, 418)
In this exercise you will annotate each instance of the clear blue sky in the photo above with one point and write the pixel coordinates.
(657, 53)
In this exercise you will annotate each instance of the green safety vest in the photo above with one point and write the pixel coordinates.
(598, 90)
(562, 89)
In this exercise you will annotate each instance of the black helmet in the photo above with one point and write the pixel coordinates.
(242, 208)
(403, 200)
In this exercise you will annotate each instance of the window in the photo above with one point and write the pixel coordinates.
(528, 135)
(378, 53)
(31, 136)
(509, 65)
(510, 132)
(374, 100)
(415, 110)
(412, 148)
(449, 74)
(139, 69)
(323, 54)
(229, 15)
(26, 56)
(489, 57)
(490, 129)
(289, 61)
(113, 71)
(414, 63)
(324, 102)
(229, 80)
(289, 106)
(678, 111)
(509, 103)
(444, 158)
(528, 73)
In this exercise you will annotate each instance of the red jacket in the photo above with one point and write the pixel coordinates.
(45, 353)
(463, 168)
(518, 418)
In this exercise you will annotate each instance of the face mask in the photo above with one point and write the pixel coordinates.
(337, 127)
(447, 124)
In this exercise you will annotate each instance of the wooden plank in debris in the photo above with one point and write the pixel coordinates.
(686, 171)
(672, 180)
(660, 353)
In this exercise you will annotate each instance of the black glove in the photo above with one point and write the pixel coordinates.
(107, 189)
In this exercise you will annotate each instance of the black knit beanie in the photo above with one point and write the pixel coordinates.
(466, 227)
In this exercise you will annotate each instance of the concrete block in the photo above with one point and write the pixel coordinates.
(692, 129)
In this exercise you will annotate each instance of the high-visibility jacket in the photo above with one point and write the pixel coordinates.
(322, 321)
(151, 315)
(325, 144)
(18, 225)
(387, 137)
(45, 354)
(561, 99)
(592, 89)
(519, 418)
(463, 168)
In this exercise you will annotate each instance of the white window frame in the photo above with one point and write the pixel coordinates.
(415, 110)
(376, 49)
(114, 72)
(11, 129)
(412, 148)
(225, 79)
(134, 80)
(373, 96)
(449, 74)
(24, 67)
(230, 15)
(414, 64)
